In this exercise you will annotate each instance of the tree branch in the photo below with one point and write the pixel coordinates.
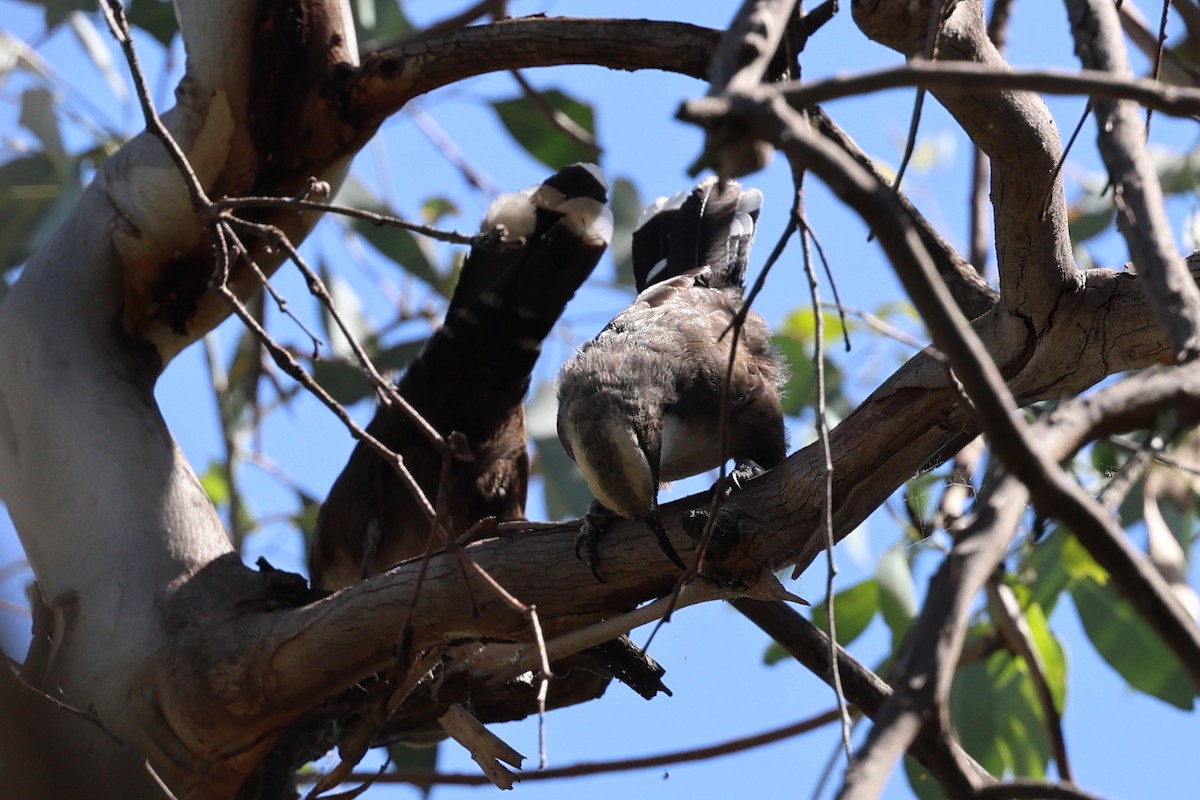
(1141, 215)
(1015, 130)
(390, 78)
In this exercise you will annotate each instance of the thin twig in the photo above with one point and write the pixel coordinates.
(383, 220)
(705, 753)
(822, 425)
(936, 10)
(226, 241)
(1158, 56)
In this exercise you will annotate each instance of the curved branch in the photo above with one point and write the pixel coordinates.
(390, 78)
(1141, 215)
(1016, 131)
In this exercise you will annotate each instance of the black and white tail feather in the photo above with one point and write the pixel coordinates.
(709, 226)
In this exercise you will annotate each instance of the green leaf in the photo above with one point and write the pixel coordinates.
(413, 253)
(350, 309)
(626, 211)
(897, 593)
(155, 17)
(1050, 654)
(567, 493)
(379, 23)
(435, 208)
(97, 49)
(795, 340)
(924, 785)
(407, 758)
(1129, 646)
(345, 380)
(1090, 215)
(58, 10)
(994, 709)
(921, 501)
(38, 116)
(305, 519)
(215, 485)
(853, 610)
(542, 134)
(34, 200)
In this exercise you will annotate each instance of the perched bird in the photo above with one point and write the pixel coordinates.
(471, 377)
(641, 402)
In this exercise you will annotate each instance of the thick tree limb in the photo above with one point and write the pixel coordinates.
(1015, 130)
(1141, 216)
(389, 79)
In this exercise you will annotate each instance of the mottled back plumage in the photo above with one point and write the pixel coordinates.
(641, 402)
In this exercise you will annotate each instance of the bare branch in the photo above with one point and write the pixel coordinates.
(389, 79)
(956, 771)
(1141, 215)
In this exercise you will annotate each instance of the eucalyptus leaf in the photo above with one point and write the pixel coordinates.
(38, 116)
(897, 593)
(538, 132)
(345, 380)
(1128, 645)
(97, 49)
(409, 758)
(567, 493)
(853, 610)
(413, 253)
(1006, 733)
(626, 211)
(34, 199)
(155, 17)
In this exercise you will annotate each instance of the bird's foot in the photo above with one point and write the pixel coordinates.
(587, 542)
(742, 472)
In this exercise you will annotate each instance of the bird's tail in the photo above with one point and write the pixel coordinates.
(713, 226)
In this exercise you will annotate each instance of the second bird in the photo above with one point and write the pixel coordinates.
(641, 402)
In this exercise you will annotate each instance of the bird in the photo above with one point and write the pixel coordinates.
(470, 377)
(641, 403)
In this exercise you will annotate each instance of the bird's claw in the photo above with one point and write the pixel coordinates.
(587, 542)
(744, 471)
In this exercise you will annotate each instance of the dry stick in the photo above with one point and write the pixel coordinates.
(1141, 218)
(383, 220)
(1172, 100)
(1048, 195)
(936, 10)
(748, 46)
(1013, 626)
(979, 244)
(935, 641)
(450, 151)
(810, 235)
(318, 289)
(879, 324)
(1160, 457)
(220, 385)
(822, 425)
(625, 765)
(1158, 56)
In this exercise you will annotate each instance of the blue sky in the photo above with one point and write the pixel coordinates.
(714, 657)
